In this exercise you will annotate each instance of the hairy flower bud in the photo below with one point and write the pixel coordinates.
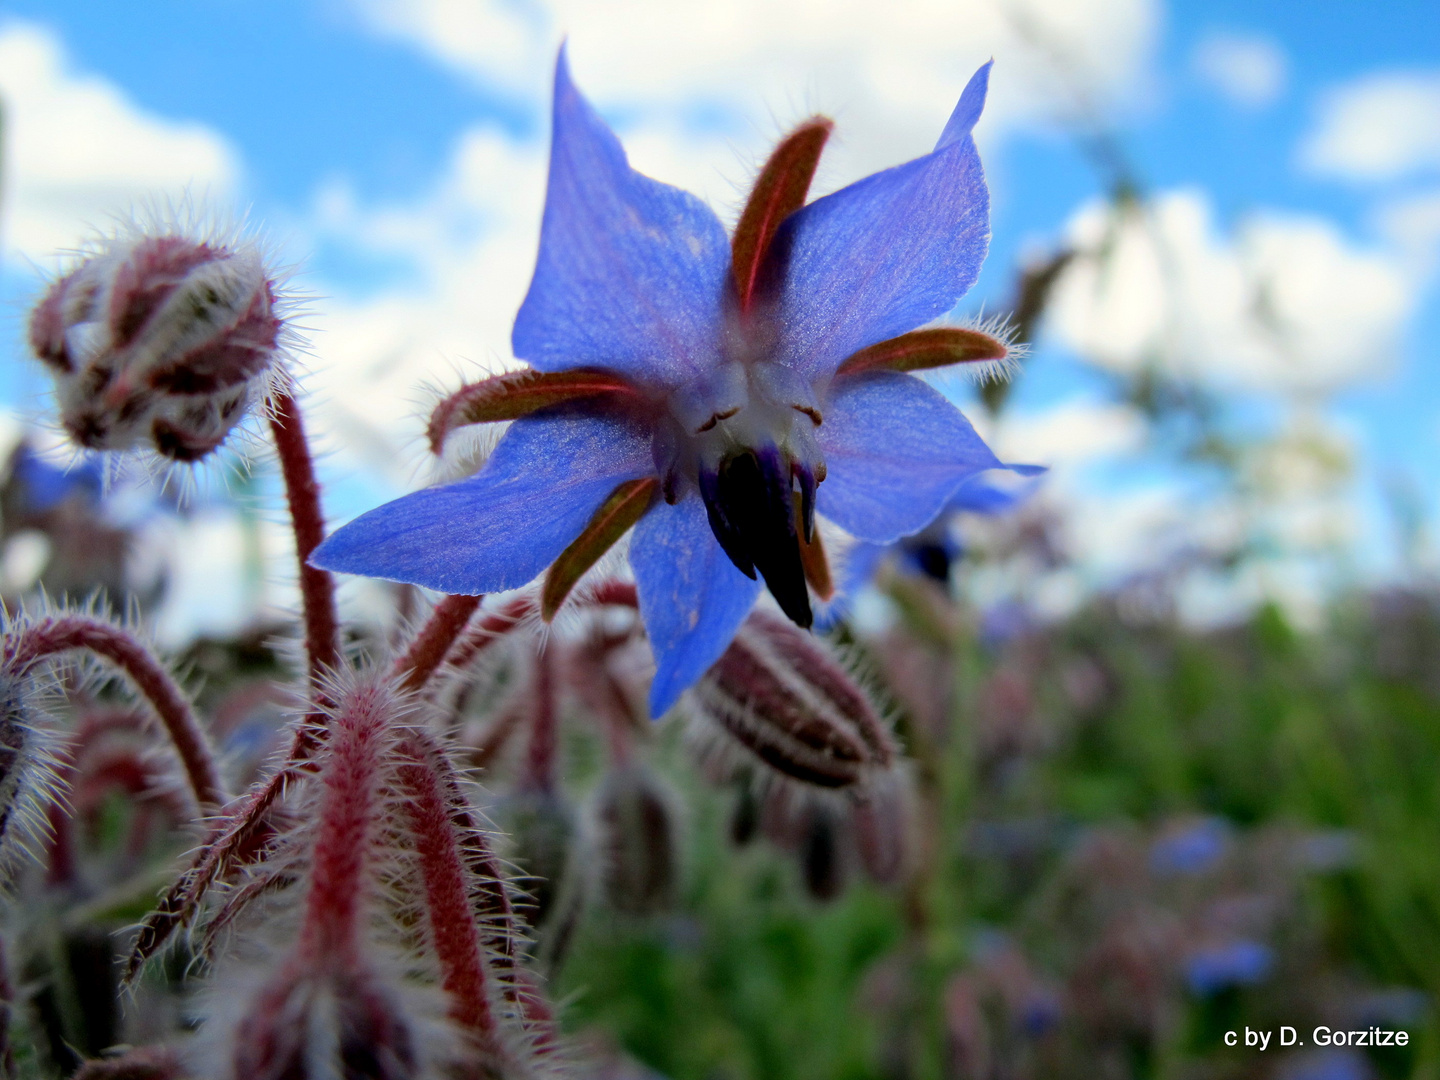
(636, 837)
(328, 1023)
(160, 340)
(541, 825)
(885, 825)
(27, 769)
(781, 695)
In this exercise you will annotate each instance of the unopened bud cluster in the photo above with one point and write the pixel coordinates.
(160, 341)
(819, 769)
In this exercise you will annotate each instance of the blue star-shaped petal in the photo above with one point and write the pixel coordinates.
(732, 387)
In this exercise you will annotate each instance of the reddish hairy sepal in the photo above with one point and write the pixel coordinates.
(515, 394)
(780, 695)
(779, 191)
(922, 350)
(624, 507)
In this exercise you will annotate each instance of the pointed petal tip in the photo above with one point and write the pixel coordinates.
(968, 108)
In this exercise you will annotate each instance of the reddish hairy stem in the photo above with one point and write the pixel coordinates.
(67, 633)
(495, 914)
(434, 640)
(216, 855)
(492, 741)
(350, 777)
(544, 727)
(317, 587)
(442, 869)
(489, 630)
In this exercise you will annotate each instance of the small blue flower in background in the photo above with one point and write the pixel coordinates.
(935, 548)
(1235, 963)
(1194, 849)
(44, 486)
(745, 384)
(931, 551)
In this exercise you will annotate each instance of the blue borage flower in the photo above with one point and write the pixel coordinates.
(714, 393)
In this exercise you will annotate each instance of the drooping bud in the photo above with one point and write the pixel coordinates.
(161, 340)
(326, 1023)
(778, 695)
(823, 863)
(541, 826)
(636, 837)
(884, 818)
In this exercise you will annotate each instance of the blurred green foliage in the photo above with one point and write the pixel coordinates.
(1130, 722)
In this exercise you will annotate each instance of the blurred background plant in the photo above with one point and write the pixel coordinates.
(1163, 724)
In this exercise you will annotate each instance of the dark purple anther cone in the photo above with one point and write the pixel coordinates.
(752, 513)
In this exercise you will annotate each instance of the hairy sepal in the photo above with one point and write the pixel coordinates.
(617, 514)
(779, 191)
(922, 350)
(515, 394)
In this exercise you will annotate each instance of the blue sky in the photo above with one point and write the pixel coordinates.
(339, 122)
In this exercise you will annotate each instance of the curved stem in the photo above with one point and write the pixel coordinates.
(28, 645)
(302, 491)
(489, 629)
(428, 649)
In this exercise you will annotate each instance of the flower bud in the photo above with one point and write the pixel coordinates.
(159, 340)
(541, 825)
(325, 1023)
(27, 770)
(823, 863)
(884, 817)
(636, 837)
(779, 694)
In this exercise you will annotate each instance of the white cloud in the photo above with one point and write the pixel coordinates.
(1069, 434)
(1381, 127)
(889, 72)
(78, 152)
(1285, 303)
(1250, 71)
(1412, 225)
(472, 239)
